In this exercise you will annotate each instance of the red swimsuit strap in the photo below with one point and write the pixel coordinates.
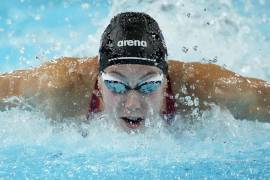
(170, 101)
(94, 103)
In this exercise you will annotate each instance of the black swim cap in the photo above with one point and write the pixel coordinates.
(133, 38)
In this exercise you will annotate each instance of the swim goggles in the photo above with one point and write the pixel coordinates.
(145, 87)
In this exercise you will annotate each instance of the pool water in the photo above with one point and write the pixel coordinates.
(233, 34)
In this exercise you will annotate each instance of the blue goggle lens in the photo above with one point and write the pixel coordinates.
(149, 87)
(118, 87)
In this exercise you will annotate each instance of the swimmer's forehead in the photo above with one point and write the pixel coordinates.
(133, 70)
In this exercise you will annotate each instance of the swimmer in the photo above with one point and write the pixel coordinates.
(133, 80)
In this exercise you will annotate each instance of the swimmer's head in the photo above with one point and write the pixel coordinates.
(133, 69)
(133, 38)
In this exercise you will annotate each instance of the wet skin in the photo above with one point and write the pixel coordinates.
(132, 108)
(62, 89)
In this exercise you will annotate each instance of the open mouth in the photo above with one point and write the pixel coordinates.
(132, 122)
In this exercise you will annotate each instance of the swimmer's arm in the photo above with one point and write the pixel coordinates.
(51, 75)
(246, 98)
(62, 84)
(9, 85)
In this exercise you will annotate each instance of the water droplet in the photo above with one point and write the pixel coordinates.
(85, 5)
(37, 17)
(9, 21)
(184, 49)
(195, 48)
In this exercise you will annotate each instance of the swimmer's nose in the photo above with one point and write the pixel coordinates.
(133, 103)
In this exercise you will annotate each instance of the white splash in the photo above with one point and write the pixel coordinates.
(194, 31)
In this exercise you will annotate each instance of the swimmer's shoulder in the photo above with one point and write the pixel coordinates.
(195, 72)
(64, 85)
(72, 64)
(184, 74)
(194, 79)
(73, 80)
(69, 70)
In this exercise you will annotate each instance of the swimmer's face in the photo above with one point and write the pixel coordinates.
(132, 93)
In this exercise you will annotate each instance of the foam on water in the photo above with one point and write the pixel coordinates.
(228, 33)
(216, 131)
(28, 138)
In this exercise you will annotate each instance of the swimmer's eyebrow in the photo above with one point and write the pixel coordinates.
(148, 74)
(142, 77)
(119, 74)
